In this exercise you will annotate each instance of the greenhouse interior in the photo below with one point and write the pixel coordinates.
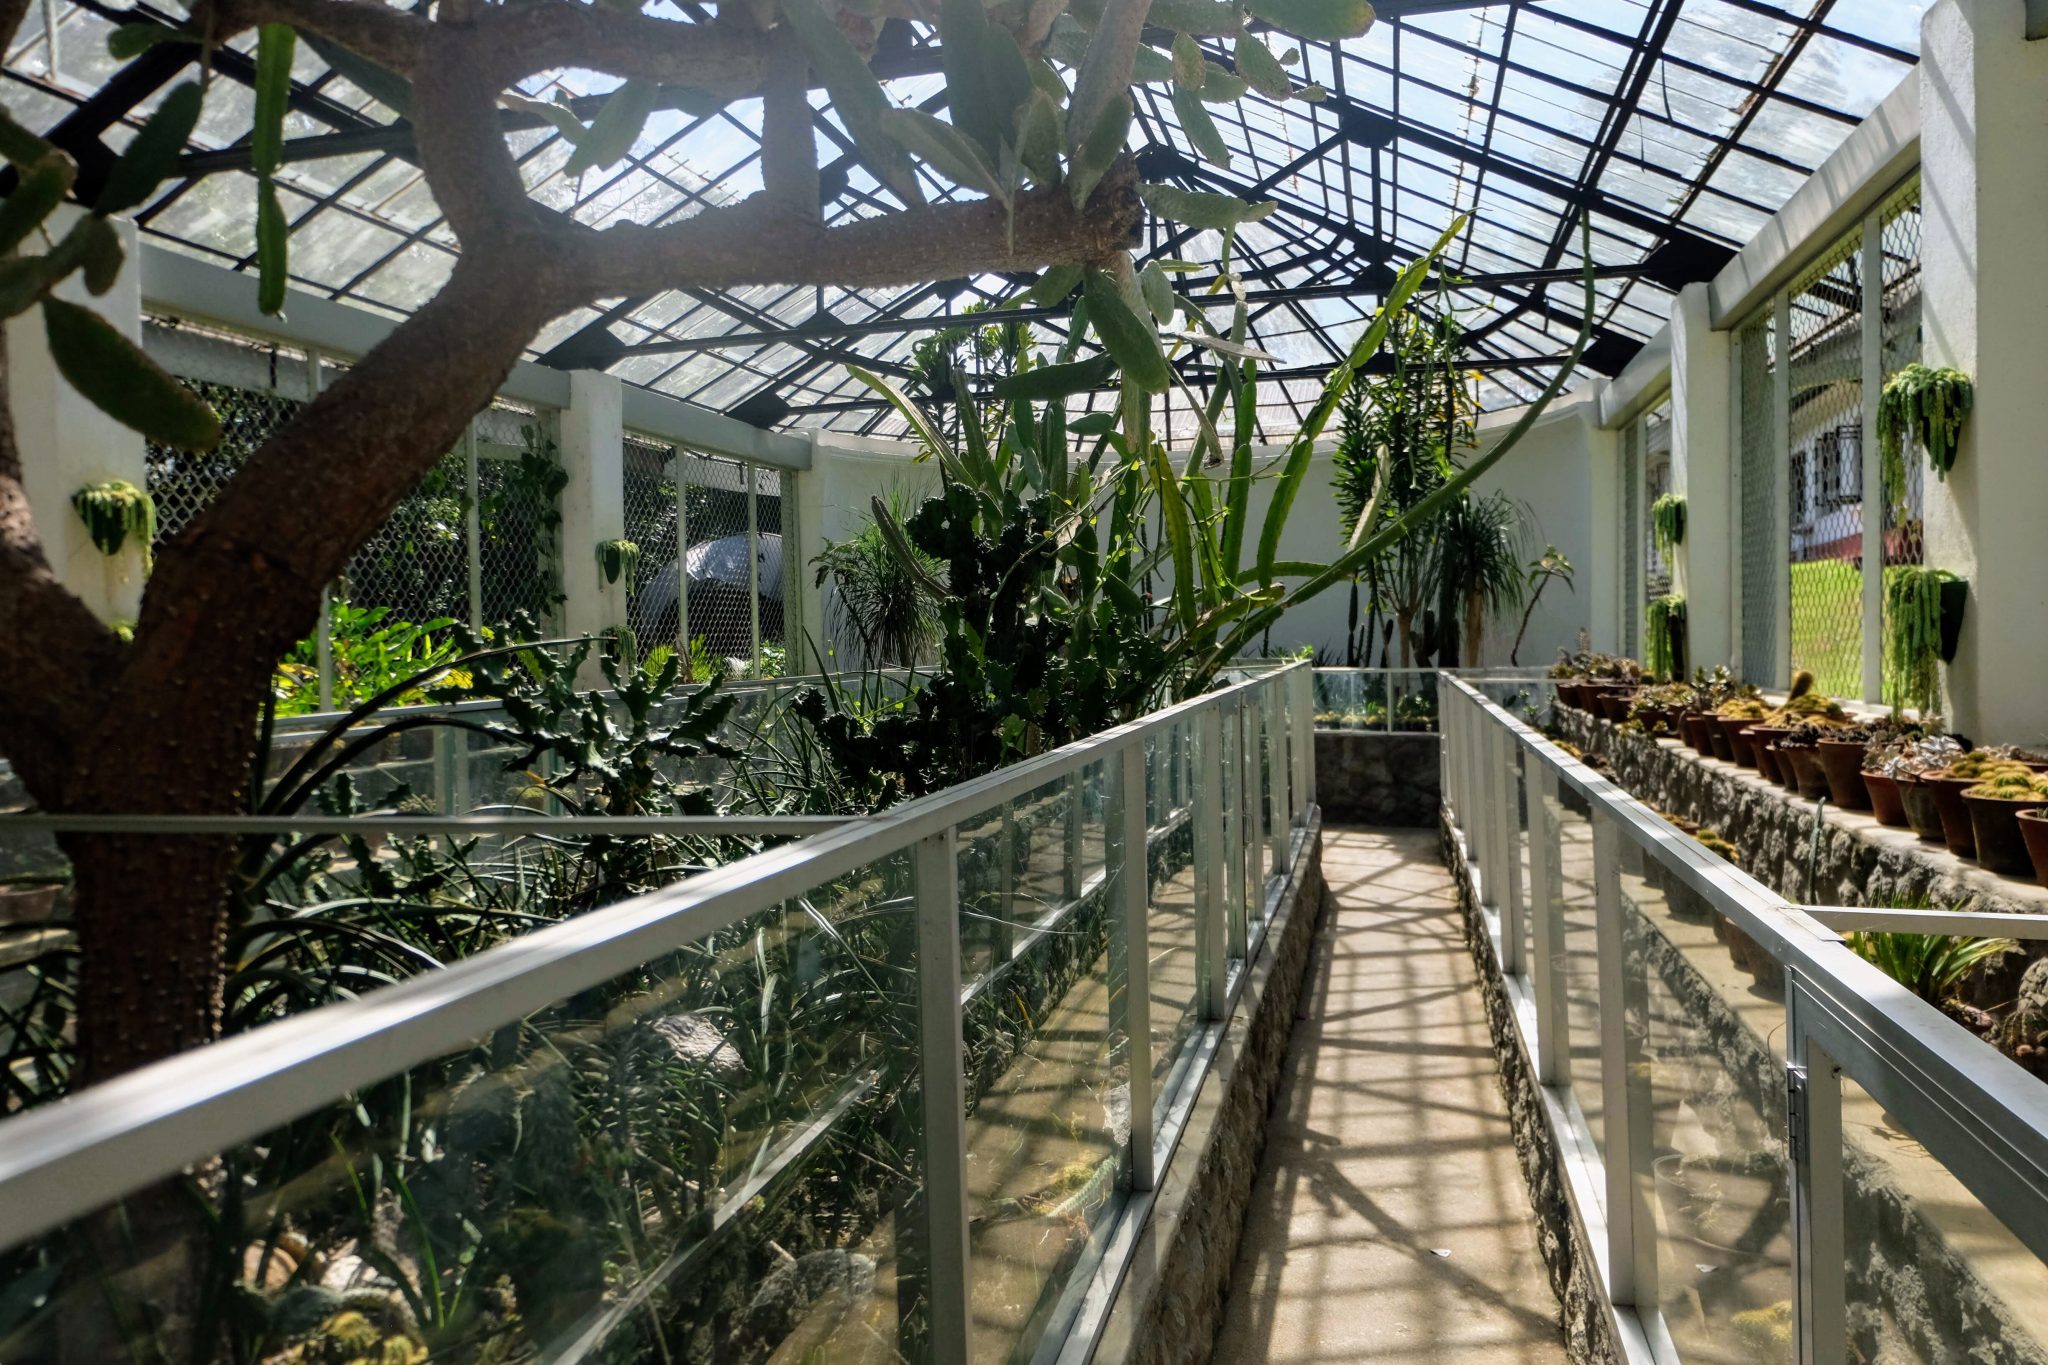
(947, 681)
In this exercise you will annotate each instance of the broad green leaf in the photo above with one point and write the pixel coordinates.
(963, 44)
(1045, 383)
(945, 149)
(1190, 68)
(272, 233)
(560, 115)
(1040, 136)
(1125, 335)
(856, 95)
(93, 246)
(1222, 87)
(1205, 18)
(274, 46)
(1100, 149)
(153, 154)
(615, 129)
(1009, 79)
(116, 377)
(1261, 69)
(920, 421)
(974, 453)
(1320, 20)
(22, 281)
(1158, 292)
(1199, 209)
(1179, 537)
(379, 82)
(1200, 128)
(899, 545)
(1312, 94)
(37, 192)
(1245, 426)
(130, 41)
(1054, 285)
(21, 147)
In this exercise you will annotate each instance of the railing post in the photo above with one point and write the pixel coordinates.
(1631, 1251)
(1248, 819)
(1134, 900)
(1508, 849)
(1280, 814)
(1813, 1142)
(1546, 922)
(1304, 719)
(1212, 936)
(935, 873)
(1072, 863)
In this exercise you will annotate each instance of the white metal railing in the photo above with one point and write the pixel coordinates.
(1216, 793)
(1771, 1147)
(1390, 700)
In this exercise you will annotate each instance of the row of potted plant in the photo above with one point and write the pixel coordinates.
(1989, 805)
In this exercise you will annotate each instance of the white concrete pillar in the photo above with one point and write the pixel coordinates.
(1601, 575)
(1701, 463)
(593, 501)
(1984, 124)
(67, 443)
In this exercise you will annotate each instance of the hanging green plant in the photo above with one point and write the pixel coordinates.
(1928, 405)
(112, 512)
(618, 559)
(1664, 636)
(1667, 523)
(1912, 636)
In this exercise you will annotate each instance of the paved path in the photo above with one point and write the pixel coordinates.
(1390, 1222)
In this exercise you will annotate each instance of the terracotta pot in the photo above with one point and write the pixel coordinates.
(1788, 775)
(1740, 747)
(1922, 812)
(1885, 800)
(1955, 816)
(1762, 737)
(1766, 757)
(1615, 701)
(1571, 693)
(1692, 726)
(1996, 827)
(2034, 830)
(1842, 761)
(1811, 777)
(1717, 737)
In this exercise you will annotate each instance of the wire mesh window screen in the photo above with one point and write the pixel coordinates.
(1631, 539)
(517, 518)
(649, 472)
(1762, 468)
(1903, 479)
(1825, 540)
(1656, 483)
(731, 589)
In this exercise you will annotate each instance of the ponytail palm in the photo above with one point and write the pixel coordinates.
(1479, 550)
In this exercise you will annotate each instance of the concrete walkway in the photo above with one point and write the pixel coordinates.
(1390, 1222)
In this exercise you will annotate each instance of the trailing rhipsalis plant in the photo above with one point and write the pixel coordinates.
(1929, 405)
(616, 559)
(1912, 636)
(1667, 523)
(113, 511)
(1663, 634)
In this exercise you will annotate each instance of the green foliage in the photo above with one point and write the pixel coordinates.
(1932, 966)
(1479, 568)
(1667, 522)
(1927, 405)
(889, 603)
(1912, 636)
(370, 654)
(618, 559)
(1664, 636)
(112, 512)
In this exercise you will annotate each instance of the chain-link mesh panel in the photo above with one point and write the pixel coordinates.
(1903, 479)
(1762, 467)
(650, 502)
(184, 483)
(417, 563)
(518, 520)
(1826, 473)
(1656, 483)
(733, 576)
(1632, 539)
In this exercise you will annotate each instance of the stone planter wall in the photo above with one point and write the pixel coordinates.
(1370, 777)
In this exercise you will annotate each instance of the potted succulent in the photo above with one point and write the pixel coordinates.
(1892, 769)
(1658, 709)
(1841, 759)
(1732, 720)
(2034, 831)
(1994, 805)
(1799, 747)
(1948, 785)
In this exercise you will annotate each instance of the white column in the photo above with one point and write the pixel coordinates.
(1984, 108)
(1601, 573)
(67, 443)
(593, 501)
(1873, 467)
(1701, 461)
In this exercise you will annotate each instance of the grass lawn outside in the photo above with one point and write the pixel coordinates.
(1827, 624)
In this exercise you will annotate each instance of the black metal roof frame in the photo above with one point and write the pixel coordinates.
(1675, 126)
